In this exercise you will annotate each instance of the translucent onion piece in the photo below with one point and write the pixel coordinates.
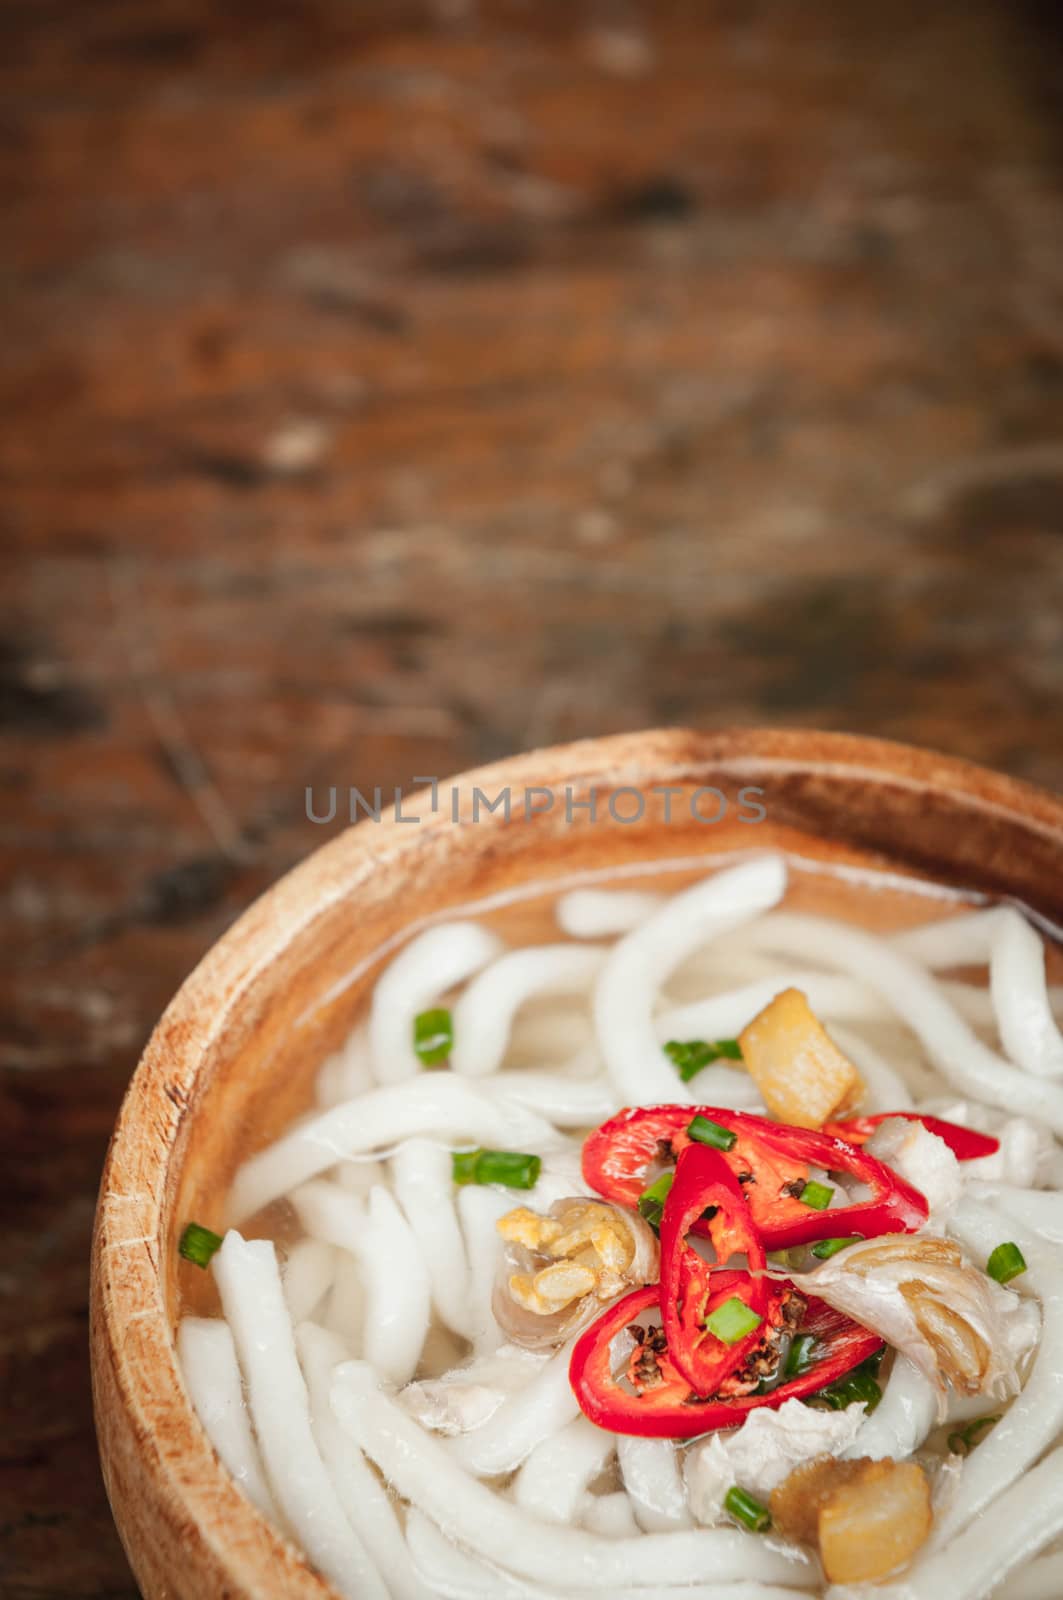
(1022, 1521)
(250, 1287)
(423, 1471)
(211, 1372)
(418, 978)
(483, 1014)
(945, 1315)
(642, 961)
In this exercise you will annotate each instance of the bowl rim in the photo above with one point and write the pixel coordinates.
(152, 1446)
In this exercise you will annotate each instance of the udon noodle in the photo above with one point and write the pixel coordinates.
(418, 1381)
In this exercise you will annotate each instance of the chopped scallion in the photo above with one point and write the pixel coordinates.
(433, 1036)
(690, 1055)
(705, 1131)
(651, 1200)
(830, 1247)
(1006, 1262)
(732, 1321)
(511, 1168)
(198, 1244)
(963, 1441)
(799, 1355)
(860, 1384)
(816, 1195)
(747, 1510)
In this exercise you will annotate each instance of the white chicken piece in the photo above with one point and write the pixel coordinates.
(467, 1396)
(763, 1452)
(922, 1158)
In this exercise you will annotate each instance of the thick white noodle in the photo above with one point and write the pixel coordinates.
(456, 1575)
(1038, 1209)
(654, 1483)
(417, 979)
(549, 1034)
(526, 1419)
(609, 1514)
(903, 1417)
(721, 1016)
(640, 962)
(483, 1013)
(347, 1073)
(566, 1102)
(1042, 1579)
(424, 1472)
(968, 1064)
(603, 913)
(1022, 1522)
(329, 1087)
(479, 1209)
(252, 1298)
(1017, 982)
(422, 1172)
(961, 941)
(436, 1105)
(308, 1275)
(1035, 1416)
(211, 1372)
(398, 1290)
(887, 1090)
(359, 1175)
(554, 1478)
(345, 1309)
(363, 1497)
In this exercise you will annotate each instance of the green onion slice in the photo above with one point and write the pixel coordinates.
(830, 1247)
(732, 1320)
(799, 1355)
(816, 1195)
(963, 1441)
(198, 1244)
(747, 1510)
(651, 1200)
(1006, 1262)
(860, 1384)
(511, 1168)
(690, 1055)
(705, 1131)
(433, 1035)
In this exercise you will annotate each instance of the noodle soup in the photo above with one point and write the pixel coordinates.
(659, 1238)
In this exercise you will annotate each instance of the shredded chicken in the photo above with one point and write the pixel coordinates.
(922, 1158)
(763, 1452)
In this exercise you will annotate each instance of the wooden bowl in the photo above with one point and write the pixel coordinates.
(238, 1047)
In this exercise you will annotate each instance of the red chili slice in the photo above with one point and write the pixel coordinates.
(966, 1144)
(659, 1403)
(691, 1289)
(771, 1160)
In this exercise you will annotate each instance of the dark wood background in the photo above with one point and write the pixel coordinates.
(389, 387)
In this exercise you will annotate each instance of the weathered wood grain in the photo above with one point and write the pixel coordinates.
(388, 387)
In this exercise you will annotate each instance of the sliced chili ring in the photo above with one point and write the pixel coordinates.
(966, 1144)
(772, 1162)
(660, 1404)
(692, 1291)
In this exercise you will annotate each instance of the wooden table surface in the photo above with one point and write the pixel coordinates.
(389, 387)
